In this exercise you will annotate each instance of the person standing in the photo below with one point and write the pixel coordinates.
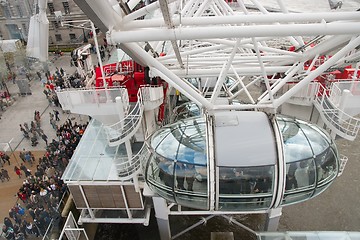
(23, 168)
(5, 174)
(56, 112)
(39, 75)
(17, 171)
(44, 137)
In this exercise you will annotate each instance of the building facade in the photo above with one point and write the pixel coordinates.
(15, 17)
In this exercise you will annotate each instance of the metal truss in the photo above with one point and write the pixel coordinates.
(233, 47)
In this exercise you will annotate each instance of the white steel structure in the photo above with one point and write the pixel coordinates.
(228, 59)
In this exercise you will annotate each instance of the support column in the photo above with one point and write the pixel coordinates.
(272, 220)
(162, 218)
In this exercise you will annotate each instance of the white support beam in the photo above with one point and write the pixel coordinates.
(280, 83)
(263, 71)
(330, 62)
(335, 28)
(224, 73)
(245, 71)
(167, 18)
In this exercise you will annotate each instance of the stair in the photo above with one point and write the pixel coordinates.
(123, 130)
(337, 120)
(128, 168)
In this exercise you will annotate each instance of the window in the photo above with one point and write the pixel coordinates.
(20, 12)
(55, 24)
(58, 37)
(71, 25)
(51, 8)
(66, 7)
(72, 36)
(24, 27)
(6, 11)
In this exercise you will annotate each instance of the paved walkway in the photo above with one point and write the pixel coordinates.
(11, 138)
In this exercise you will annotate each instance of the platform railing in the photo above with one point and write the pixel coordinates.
(72, 97)
(152, 96)
(344, 124)
(126, 168)
(117, 132)
(304, 95)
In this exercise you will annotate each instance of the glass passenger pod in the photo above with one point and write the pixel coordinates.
(246, 157)
(311, 160)
(246, 160)
(177, 169)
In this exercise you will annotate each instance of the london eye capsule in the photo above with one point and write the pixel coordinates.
(240, 161)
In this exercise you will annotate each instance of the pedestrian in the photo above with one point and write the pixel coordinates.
(5, 157)
(44, 137)
(5, 174)
(56, 112)
(51, 116)
(23, 168)
(37, 117)
(28, 158)
(26, 126)
(17, 171)
(39, 75)
(22, 155)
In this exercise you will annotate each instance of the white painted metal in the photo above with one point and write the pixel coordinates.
(332, 28)
(331, 61)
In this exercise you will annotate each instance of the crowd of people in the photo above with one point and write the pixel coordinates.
(41, 191)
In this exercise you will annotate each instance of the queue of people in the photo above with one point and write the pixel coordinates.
(41, 191)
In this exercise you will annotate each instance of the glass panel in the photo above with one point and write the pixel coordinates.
(160, 170)
(200, 183)
(300, 175)
(180, 175)
(247, 180)
(296, 145)
(158, 137)
(247, 203)
(317, 141)
(319, 190)
(326, 165)
(165, 192)
(166, 171)
(296, 197)
(182, 141)
(168, 147)
(192, 200)
(153, 171)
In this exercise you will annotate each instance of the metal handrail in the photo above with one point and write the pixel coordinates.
(128, 167)
(145, 92)
(342, 121)
(92, 95)
(125, 126)
(307, 92)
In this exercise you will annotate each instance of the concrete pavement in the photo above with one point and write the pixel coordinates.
(23, 108)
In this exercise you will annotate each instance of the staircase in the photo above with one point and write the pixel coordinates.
(149, 98)
(337, 120)
(123, 130)
(328, 102)
(127, 169)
